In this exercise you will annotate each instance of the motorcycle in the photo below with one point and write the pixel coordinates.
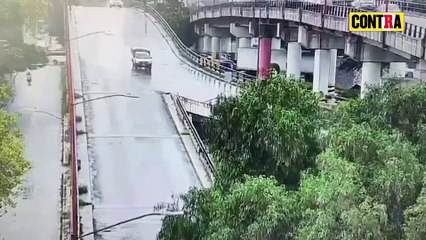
(29, 78)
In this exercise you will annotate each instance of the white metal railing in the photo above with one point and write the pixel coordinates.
(212, 66)
(202, 149)
(340, 9)
(201, 108)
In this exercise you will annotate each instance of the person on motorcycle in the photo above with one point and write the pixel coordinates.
(29, 77)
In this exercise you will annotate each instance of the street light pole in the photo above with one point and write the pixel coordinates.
(75, 103)
(108, 96)
(177, 213)
(39, 111)
(146, 9)
(89, 34)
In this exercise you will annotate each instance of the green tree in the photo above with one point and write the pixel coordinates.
(362, 171)
(415, 216)
(335, 204)
(18, 56)
(178, 17)
(12, 161)
(34, 10)
(391, 173)
(269, 129)
(259, 208)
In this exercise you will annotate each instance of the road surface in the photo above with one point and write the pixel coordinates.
(136, 156)
(36, 215)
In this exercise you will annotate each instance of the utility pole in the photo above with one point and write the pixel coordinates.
(145, 5)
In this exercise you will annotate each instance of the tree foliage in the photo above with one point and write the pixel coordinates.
(12, 161)
(269, 129)
(178, 17)
(258, 208)
(17, 55)
(355, 173)
(335, 204)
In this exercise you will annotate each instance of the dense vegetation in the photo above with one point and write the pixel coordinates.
(12, 161)
(178, 17)
(14, 55)
(13, 15)
(288, 170)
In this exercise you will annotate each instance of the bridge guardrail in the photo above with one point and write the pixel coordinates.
(333, 17)
(248, 9)
(202, 150)
(210, 65)
(411, 7)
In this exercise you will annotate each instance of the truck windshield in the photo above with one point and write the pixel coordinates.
(142, 55)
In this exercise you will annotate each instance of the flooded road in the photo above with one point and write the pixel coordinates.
(136, 156)
(36, 215)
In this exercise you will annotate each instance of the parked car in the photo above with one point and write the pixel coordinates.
(116, 3)
(227, 65)
(141, 58)
(370, 6)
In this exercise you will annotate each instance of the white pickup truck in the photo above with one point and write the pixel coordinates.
(141, 58)
(116, 3)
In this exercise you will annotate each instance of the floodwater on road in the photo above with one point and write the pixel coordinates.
(37, 215)
(136, 156)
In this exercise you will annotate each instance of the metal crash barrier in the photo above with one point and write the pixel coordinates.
(212, 66)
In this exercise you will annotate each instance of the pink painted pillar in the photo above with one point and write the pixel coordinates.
(265, 45)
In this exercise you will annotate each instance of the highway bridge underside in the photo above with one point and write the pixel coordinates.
(286, 40)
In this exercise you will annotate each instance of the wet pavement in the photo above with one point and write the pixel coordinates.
(36, 215)
(136, 157)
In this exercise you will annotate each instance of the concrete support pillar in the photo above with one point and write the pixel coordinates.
(397, 69)
(225, 44)
(234, 46)
(265, 45)
(294, 59)
(276, 43)
(244, 42)
(333, 66)
(370, 76)
(200, 42)
(215, 47)
(420, 71)
(206, 43)
(321, 70)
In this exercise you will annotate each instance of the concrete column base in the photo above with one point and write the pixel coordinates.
(397, 69)
(206, 43)
(321, 70)
(294, 59)
(420, 71)
(244, 42)
(215, 47)
(370, 76)
(332, 77)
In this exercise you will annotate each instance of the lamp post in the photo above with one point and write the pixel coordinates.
(76, 103)
(108, 33)
(35, 110)
(167, 213)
